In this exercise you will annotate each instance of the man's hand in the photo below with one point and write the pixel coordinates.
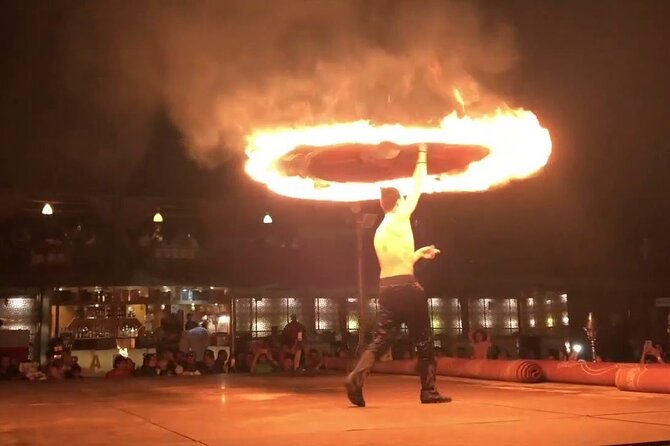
(427, 252)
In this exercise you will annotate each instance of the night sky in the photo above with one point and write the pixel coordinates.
(596, 73)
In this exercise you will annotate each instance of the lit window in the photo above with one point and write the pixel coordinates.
(325, 314)
(550, 321)
(565, 319)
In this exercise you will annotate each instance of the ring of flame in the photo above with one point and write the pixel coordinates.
(518, 148)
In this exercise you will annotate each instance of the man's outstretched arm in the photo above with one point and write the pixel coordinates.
(420, 172)
(427, 252)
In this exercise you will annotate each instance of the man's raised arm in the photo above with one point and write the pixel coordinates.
(420, 172)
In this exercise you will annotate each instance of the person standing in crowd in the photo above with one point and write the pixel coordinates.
(195, 340)
(294, 341)
(190, 323)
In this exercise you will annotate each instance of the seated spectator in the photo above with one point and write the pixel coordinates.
(461, 352)
(74, 371)
(439, 352)
(494, 352)
(287, 363)
(651, 354)
(314, 361)
(164, 368)
(209, 365)
(274, 341)
(149, 366)
(120, 368)
(553, 354)
(262, 363)
(171, 359)
(222, 361)
(248, 360)
(344, 353)
(8, 371)
(190, 366)
(130, 365)
(55, 370)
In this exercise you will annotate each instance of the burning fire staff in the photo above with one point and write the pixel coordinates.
(401, 298)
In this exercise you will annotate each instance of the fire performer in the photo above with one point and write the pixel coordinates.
(401, 298)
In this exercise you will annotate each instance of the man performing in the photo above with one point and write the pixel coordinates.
(401, 298)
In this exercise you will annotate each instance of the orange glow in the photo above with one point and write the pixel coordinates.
(519, 147)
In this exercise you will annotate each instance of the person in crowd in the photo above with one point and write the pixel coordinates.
(238, 363)
(494, 352)
(262, 363)
(222, 361)
(164, 368)
(274, 341)
(651, 354)
(131, 366)
(190, 323)
(191, 366)
(553, 354)
(439, 352)
(344, 353)
(171, 360)
(209, 365)
(149, 366)
(74, 369)
(461, 352)
(248, 360)
(195, 340)
(8, 371)
(294, 337)
(54, 370)
(120, 368)
(480, 343)
(314, 361)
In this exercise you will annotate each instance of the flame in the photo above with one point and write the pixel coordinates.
(518, 148)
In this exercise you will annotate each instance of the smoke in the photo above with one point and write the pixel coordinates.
(218, 69)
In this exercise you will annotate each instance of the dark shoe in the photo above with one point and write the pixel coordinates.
(355, 393)
(433, 397)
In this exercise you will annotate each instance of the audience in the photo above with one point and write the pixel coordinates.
(222, 361)
(190, 366)
(190, 323)
(262, 363)
(314, 360)
(121, 368)
(149, 366)
(209, 365)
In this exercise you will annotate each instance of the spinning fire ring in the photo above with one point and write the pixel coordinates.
(352, 161)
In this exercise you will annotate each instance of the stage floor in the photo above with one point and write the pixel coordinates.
(313, 411)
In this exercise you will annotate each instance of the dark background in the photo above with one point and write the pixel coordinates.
(596, 74)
